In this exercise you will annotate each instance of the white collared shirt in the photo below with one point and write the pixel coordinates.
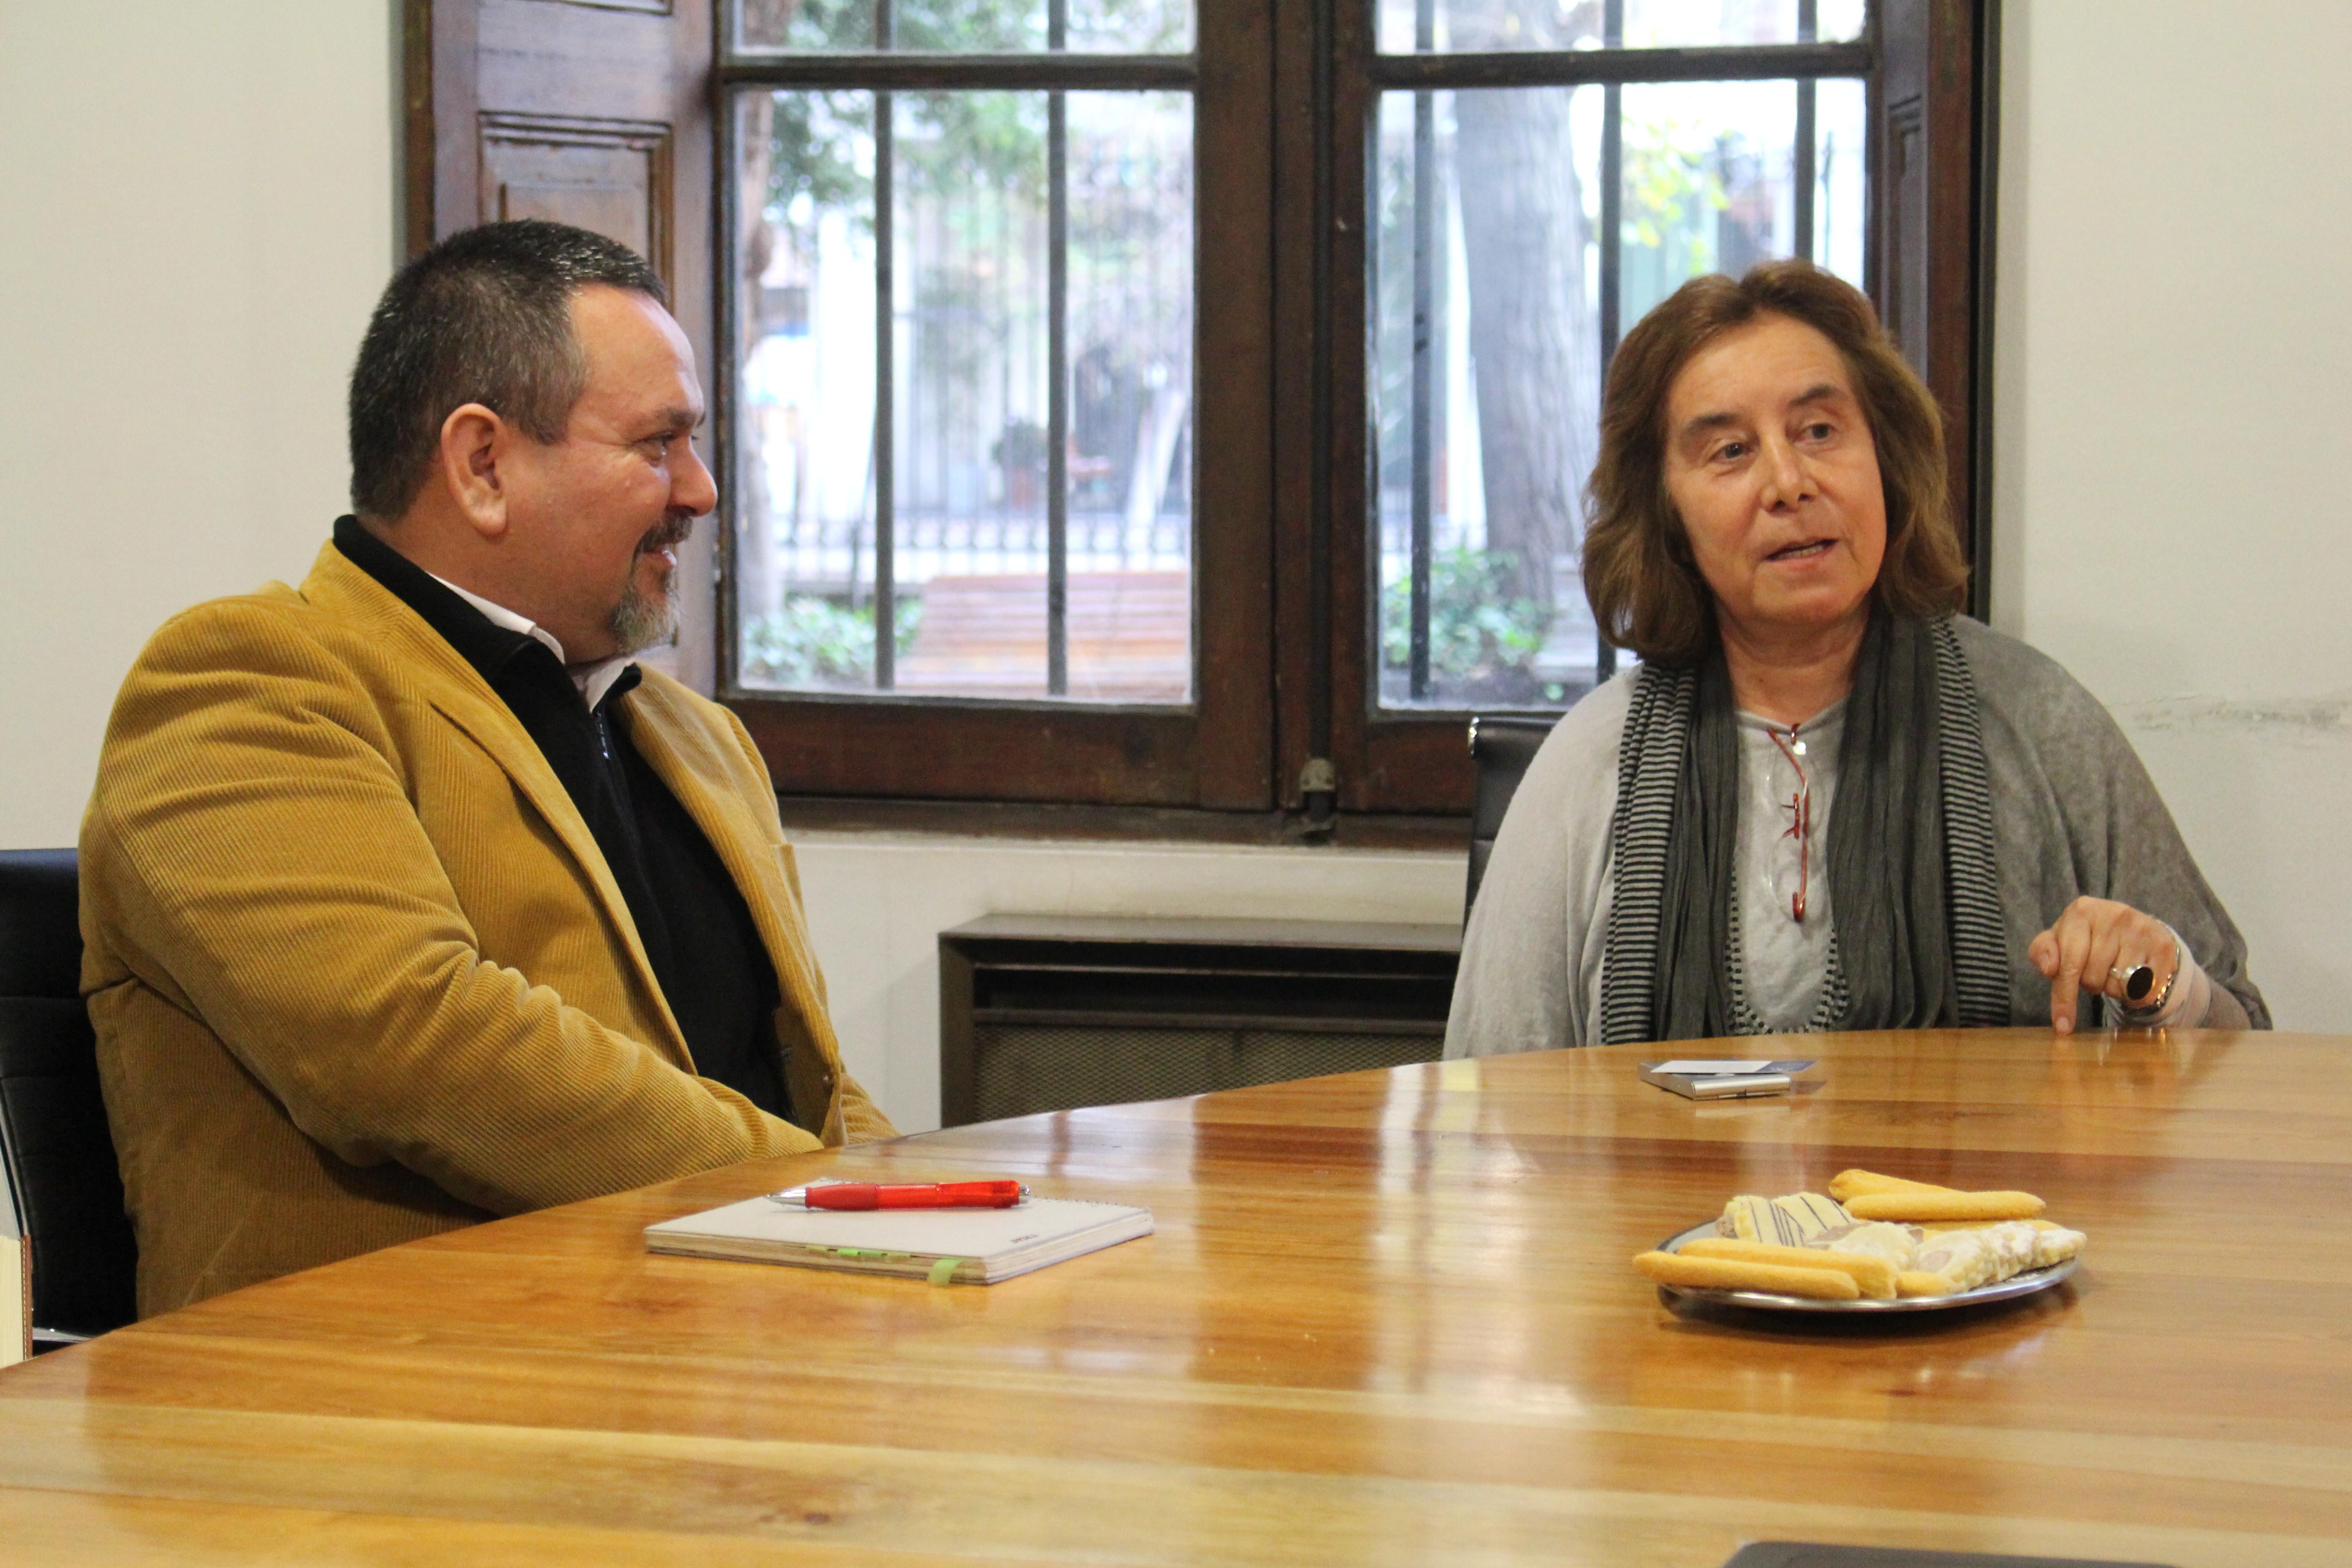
(591, 680)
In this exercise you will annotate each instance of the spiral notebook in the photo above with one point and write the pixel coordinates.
(962, 1246)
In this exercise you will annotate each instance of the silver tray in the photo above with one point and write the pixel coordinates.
(2024, 1284)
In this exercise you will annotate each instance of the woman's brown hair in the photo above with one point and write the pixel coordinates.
(1645, 590)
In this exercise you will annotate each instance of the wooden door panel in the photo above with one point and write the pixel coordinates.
(1903, 286)
(555, 56)
(580, 111)
(1931, 234)
(612, 176)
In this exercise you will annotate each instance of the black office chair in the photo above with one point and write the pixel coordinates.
(53, 1128)
(1501, 749)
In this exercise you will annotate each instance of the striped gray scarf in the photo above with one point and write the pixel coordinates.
(1918, 942)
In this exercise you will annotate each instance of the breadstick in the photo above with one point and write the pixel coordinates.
(1854, 1184)
(1875, 1276)
(1912, 1282)
(1721, 1274)
(1920, 1207)
(1933, 1231)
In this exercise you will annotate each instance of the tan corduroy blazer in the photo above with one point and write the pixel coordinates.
(358, 970)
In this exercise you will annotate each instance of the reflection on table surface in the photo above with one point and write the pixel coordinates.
(1387, 1317)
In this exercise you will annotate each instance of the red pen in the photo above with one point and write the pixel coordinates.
(907, 1195)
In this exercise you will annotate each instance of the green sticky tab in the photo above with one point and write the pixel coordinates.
(944, 1270)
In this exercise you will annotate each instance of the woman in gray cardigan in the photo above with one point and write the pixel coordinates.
(1825, 800)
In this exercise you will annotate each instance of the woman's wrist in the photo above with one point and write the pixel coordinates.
(2183, 1000)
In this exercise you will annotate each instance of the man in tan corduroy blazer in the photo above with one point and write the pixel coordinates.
(360, 969)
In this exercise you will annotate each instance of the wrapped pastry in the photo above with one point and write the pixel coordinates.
(1791, 1221)
(2054, 1244)
(1964, 1259)
(1899, 1244)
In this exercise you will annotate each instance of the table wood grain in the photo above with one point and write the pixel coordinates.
(1387, 1318)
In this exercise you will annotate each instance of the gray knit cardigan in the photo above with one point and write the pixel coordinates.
(2074, 813)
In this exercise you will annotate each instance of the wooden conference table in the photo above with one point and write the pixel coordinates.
(1387, 1318)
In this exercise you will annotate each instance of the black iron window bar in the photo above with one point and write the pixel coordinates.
(1426, 73)
(884, 71)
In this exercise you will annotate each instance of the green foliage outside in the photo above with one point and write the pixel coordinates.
(1673, 176)
(1674, 188)
(922, 25)
(1476, 626)
(813, 147)
(946, 141)
(1675, 198)
(814, 641)
(820, 147)
(989, 26)
(973, 162)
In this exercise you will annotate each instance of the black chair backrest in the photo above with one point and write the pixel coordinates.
(53, 1127)
(1501, 749)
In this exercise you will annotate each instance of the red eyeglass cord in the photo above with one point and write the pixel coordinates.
(1801, 824)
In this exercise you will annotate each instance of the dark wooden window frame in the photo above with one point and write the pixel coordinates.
(1218, 752)
(1930, 69)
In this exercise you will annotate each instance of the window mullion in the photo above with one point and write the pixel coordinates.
(886, 389)
(917, 72)
(1424, 246)
(1611, 245)
(1800, 161)
(1058, 368)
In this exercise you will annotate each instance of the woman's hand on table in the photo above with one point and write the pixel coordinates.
(2085, 945)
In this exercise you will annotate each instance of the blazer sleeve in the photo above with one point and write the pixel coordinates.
(251, 852)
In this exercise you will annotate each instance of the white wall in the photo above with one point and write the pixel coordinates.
(199, 211)
(2173, 416)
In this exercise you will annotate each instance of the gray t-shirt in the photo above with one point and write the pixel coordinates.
(2074, 813)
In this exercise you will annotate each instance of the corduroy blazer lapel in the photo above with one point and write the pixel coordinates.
(457, 691)
(711, 788)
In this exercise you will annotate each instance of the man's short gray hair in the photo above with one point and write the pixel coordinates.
(483, 317)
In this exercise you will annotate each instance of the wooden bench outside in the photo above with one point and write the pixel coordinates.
(1130, 638)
